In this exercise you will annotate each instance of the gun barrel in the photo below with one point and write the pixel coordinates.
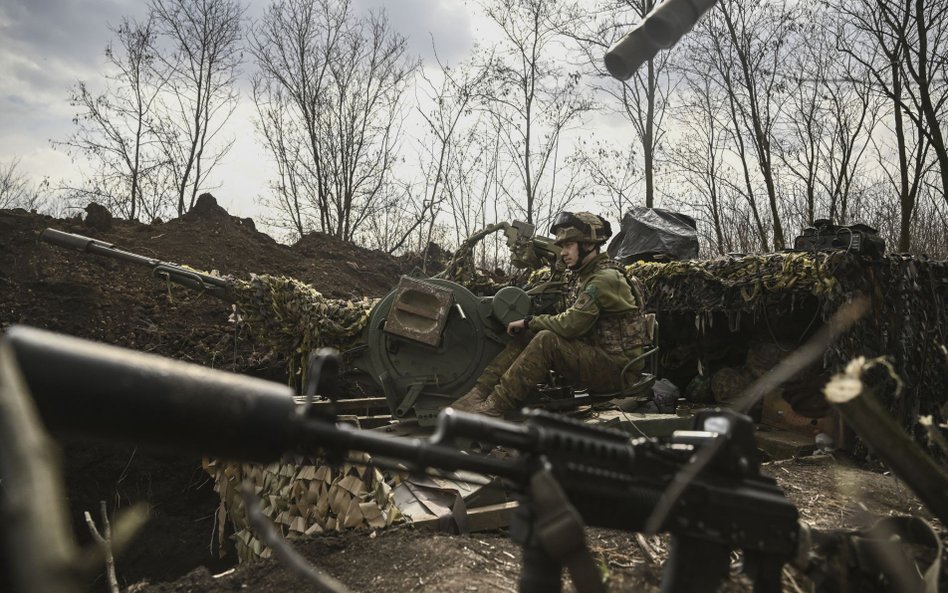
(216, 286)
(92, 389)
(660, 29)
(146, 399)
(90, 245)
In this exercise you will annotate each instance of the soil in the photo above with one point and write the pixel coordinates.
(113, 302)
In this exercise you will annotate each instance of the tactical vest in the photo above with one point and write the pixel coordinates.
(617, 333)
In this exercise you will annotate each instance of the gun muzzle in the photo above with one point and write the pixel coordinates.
(72, 241)
(92, 389)
(660, 29)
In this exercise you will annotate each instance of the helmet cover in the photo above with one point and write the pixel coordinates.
(582, 227)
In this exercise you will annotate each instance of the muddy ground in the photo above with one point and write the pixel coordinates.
(100, 299)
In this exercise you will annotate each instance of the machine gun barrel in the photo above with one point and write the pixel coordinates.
(660, 29)
(214, 285)
(147, 399)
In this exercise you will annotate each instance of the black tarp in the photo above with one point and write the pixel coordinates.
(653, 233)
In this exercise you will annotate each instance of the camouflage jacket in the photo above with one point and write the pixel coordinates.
(606, 311)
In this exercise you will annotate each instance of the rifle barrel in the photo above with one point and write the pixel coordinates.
(91, 389)
(147, 399)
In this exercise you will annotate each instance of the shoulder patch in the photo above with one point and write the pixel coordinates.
(589, 296)
(584, 301)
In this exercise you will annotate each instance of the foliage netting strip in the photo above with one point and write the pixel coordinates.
(293, 317)
(907, 322)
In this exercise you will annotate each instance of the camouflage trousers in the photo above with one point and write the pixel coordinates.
(517, 370)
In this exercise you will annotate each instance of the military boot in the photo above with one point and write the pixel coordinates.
(476, 396)
(488, 407)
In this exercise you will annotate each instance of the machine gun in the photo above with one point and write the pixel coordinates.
(566, 474)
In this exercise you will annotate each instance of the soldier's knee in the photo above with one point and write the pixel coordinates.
(544, 338)
(545, 341)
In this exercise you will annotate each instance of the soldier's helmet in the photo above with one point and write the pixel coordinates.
(582, 227)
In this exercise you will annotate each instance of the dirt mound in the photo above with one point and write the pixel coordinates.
(95, 297)
(332, 264)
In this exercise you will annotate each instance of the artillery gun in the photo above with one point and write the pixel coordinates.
(427, 341)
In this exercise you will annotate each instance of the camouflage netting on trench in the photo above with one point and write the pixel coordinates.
(301, 496)
(295, 318)
(907, 321)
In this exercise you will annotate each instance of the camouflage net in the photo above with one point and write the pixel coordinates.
(462, 269)
(302, 497)
(908, 321)
(295, 318)
(729, 284)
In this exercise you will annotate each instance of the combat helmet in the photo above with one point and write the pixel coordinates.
(582, 227)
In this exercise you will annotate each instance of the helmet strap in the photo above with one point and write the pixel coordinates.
(584, 250)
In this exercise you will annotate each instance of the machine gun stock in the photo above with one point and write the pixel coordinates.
(567, 473)
(213, 285)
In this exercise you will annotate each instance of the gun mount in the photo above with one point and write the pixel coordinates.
(427, 342)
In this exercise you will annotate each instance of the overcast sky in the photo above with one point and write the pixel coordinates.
(48, 45)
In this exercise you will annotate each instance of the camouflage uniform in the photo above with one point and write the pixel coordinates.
(587, 344)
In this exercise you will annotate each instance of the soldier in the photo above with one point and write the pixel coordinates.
(588, 344)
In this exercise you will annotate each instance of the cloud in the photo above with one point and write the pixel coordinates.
(45, 47)
(67, 34)
(429, 25)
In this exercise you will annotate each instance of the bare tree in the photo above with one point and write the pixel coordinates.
(116, 130)
(613, 169)
(698, 157)
(473, 180)
(449, 134)
(930, 225)
(902, 47)
(17, 191)
(643, 100)
(749, 44)
(830, 113)
(204, 57)
(537, 100)
(340, 78)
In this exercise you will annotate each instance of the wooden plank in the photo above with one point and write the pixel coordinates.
(486, 518)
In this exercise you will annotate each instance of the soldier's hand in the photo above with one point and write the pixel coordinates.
(516, 327)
